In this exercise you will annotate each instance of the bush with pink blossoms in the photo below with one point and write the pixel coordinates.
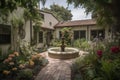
(100, 64)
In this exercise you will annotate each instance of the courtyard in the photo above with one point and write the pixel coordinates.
(42, 40)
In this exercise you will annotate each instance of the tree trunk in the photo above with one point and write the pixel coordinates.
(14, 39)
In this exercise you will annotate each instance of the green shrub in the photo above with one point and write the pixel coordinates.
(81, 44)
(36, 69)
(56, 43)
(102, 63)
(25, 74)
(26, 49)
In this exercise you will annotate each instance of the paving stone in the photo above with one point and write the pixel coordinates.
(56, 69)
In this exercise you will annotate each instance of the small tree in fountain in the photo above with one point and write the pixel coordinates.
(67, 34)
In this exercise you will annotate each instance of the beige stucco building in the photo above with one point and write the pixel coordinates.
(42, 38)
(45, 35)
(86, 29)
(51, 28)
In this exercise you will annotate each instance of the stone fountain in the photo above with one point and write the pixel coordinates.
(63, 52)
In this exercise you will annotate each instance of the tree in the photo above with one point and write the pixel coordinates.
(67, 34)
(8, 6)
(63, 14)
(107, 12)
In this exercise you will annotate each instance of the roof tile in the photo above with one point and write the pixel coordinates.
(76, 23)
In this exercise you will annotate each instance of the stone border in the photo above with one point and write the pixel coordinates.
(63, 55)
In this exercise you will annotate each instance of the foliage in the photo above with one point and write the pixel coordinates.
(55, 43)
(102, 8)
(37, 26)
(11, 5)
(82, 44)
(25, 74)
(26, 48)
(18, 66)
(36, 62)
(6, 7)
(63, 14)
(106, 12)
(67, 34)
(99, 64)
(9, 66)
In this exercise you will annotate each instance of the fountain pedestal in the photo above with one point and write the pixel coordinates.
(63, 45)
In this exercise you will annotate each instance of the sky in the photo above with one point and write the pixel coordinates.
(78, 13)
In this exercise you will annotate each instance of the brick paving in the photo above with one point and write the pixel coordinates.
(56, 69)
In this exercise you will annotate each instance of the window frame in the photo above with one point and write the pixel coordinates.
(5, 34)
(79, 34)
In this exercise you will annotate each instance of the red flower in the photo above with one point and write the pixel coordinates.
(99, 53)
(115, 49)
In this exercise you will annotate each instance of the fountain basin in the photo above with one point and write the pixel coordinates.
(69, 53)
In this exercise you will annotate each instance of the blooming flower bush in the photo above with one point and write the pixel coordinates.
(25, 48)
(14, 65)
(10, 65)
(100, 64)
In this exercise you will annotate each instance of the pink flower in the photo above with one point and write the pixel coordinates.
(99, 53)
(9, 58)
(11, 63)
(21, 66)
(11, 55)
(6, 61)
(115, 49)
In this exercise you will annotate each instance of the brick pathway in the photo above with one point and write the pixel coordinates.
(56, 69)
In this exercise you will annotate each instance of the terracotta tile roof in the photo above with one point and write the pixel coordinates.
(76, 23)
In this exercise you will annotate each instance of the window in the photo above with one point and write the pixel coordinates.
(40, 37)
(5, 38)
(60, 34)
(79, 34)
(82, 34)
(76, 35)
(50, 34)
(50, 23)
(5, 34)
(97, 34)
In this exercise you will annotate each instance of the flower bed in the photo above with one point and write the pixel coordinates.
(15, 66)
(102, 63)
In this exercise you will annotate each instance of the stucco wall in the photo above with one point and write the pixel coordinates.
(87, 28)
(27, 31)
(49, 18)
(4, 48)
